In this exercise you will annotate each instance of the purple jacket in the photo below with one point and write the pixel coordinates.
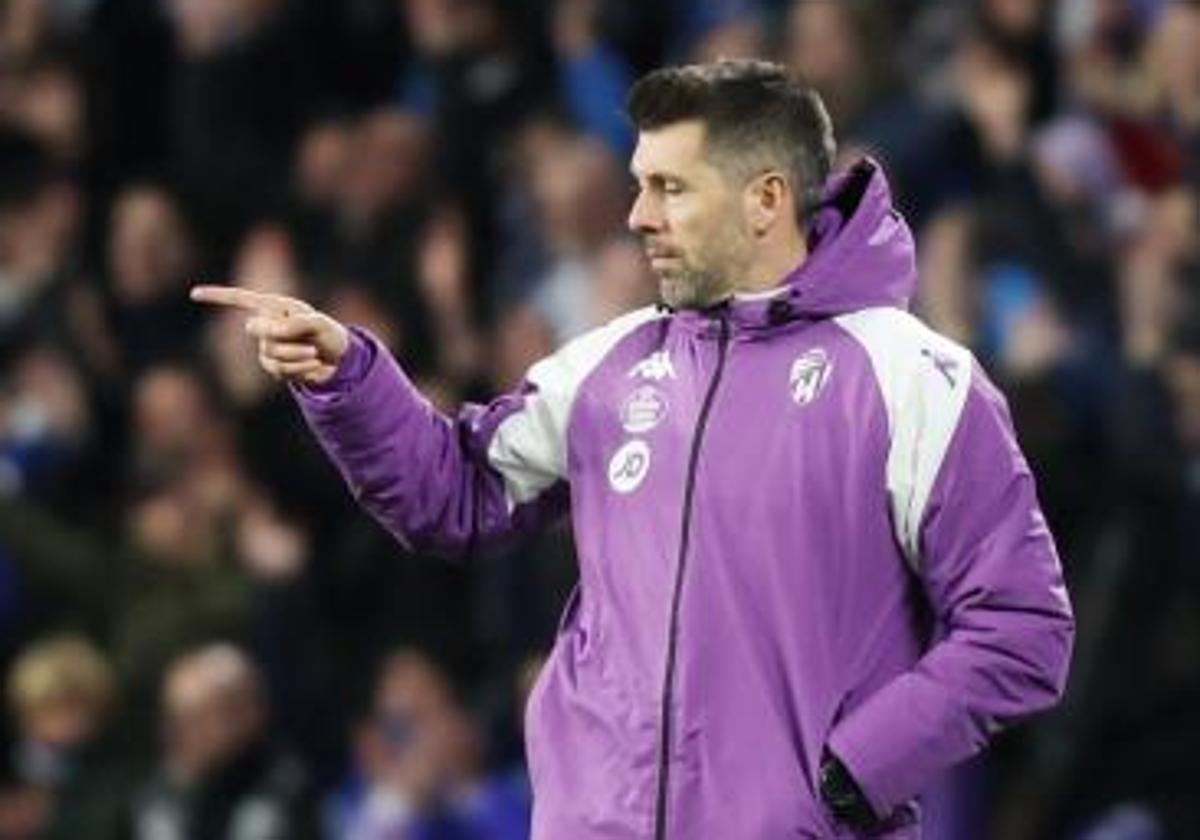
(802, 522)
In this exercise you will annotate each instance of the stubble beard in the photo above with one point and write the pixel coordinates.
(690, 288)
(706, 276)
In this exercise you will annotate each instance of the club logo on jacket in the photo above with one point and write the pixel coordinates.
(629, 465)
(656, 366)
(644, 409)
(809, 375)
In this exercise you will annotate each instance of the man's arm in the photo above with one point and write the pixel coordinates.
(992, 575)
(436, 482)
(447, 484)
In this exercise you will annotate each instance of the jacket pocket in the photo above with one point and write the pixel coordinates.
(832, 826)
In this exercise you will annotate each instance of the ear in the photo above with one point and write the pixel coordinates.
(767, 199)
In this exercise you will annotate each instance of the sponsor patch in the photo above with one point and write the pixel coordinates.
(628, 466)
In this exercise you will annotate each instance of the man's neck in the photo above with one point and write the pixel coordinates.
(773, 265)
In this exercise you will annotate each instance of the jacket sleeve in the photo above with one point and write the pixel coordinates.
(989, 567)
(433, 481)
(452, 484)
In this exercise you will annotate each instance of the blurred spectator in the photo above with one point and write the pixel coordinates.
(1173, 63)
(220, 776)
(704, 30)
(478, 72)
(179, 432)
(22, 26)
(46, 425)
(947, 298)
(40, 228)
(275, 454)
(1077, 167)
(387, 171)
(444, 281)
(594, 77)
(840, 49)
(420, 767)
(1125, 67)
(62, 692)
(47, 101)
(238, 94)
(739, 37)
(174, 575)
(1024, 28)
(363, 191)
(1183, 379)
(322, 159)
(580, 204)
(1152, 293)
(573, 194)
(622, 281)
(29, 26)
(151, 258)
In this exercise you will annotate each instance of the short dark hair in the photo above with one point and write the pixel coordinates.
(756, 114)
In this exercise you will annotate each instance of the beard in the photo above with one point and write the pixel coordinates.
(703, 275)
(690, 288)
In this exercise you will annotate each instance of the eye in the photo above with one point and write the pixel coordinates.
(672, 187)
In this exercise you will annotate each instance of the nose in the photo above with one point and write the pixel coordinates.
(645, 216)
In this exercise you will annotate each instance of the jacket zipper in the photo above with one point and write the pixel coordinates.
(664, 764)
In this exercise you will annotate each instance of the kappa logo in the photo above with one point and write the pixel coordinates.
(946, 366)
(644, 409)
(628, 466)
(656, 366)
(809, 375)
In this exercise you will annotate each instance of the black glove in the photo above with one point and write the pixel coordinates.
(843, 797)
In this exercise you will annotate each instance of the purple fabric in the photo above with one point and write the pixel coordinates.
(801, 625)
(991, 573)
(423, 477)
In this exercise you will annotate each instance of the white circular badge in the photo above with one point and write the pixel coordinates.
(629, 466)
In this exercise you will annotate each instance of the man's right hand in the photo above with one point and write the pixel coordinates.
(295, 342)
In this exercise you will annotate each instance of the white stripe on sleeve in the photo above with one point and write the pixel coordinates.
(924, 378)
(529, 448)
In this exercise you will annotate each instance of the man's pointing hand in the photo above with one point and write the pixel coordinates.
(295, 341)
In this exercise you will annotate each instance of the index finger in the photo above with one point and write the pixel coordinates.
(247, 299)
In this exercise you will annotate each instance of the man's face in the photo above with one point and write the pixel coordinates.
(690, 216)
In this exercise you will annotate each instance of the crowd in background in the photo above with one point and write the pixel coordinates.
(201, 637)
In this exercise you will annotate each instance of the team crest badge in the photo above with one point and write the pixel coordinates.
(810, 373)
(644, 409)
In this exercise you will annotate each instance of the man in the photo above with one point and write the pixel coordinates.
(782, 487)
(220, 777)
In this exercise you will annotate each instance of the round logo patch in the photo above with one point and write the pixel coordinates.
(644, 409)
(629, 466)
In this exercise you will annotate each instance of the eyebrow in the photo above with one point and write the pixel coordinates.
(657, 174)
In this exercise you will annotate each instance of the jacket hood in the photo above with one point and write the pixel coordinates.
(861, 254)
(861, 251)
